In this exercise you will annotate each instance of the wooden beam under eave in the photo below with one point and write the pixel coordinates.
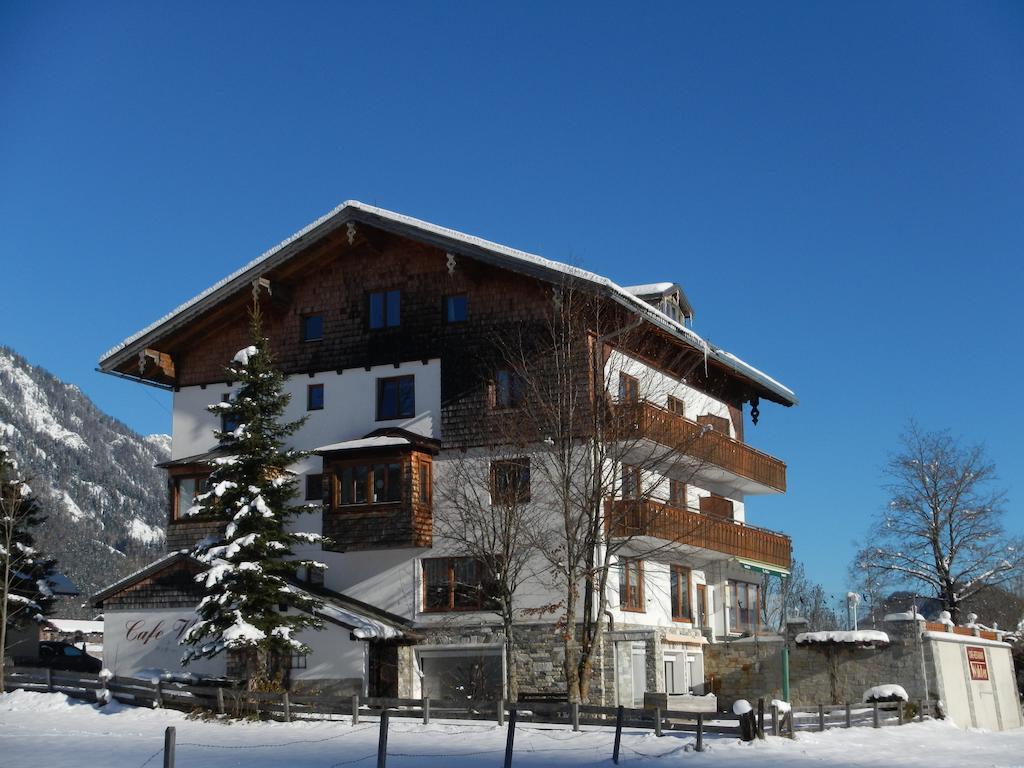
(162, 360)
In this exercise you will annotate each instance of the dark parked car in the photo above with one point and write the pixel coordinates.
(60, 655)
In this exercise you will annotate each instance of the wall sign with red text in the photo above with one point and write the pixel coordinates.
(977, 662)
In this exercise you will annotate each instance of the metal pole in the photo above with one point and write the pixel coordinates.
(501, 712)
(575, 711)
(785, 673)
(874, 714)
(426, 711)
(355, 710)
(618, 734)
(382, 741)
(169, 747)
(657, 721)
(287, 708)
(848, 716)
(510, 739)
(700, 731)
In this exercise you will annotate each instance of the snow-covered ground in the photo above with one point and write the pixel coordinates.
(52, 730)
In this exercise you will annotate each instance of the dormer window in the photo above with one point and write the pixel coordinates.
(670, 306)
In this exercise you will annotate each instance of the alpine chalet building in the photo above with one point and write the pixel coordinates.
(399, 341)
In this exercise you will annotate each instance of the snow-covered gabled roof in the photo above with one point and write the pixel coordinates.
(455, 242)
(650, 289)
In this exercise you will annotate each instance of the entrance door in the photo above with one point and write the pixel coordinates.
(383, 672)
(702, 606)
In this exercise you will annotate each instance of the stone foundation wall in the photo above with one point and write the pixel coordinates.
(751, 668)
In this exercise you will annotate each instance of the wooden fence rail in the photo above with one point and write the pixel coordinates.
(291, 706)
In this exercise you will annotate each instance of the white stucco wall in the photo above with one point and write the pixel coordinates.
(137, 641)
(349, 412)
(994, 703)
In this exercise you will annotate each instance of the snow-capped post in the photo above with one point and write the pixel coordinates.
(748, 726)
(249, 606)
(25, 574)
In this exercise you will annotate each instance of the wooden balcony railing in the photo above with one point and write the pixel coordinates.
(685, 526)
(644, 419)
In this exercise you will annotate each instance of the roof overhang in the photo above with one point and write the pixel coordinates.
(765, 568)
(452, 241)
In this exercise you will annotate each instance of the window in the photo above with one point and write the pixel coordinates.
(509, 391)
(312, 327)
(631, 585)
(385, 309)
(298, 661)
(314, 487)
(676, 406)
(702, 606)
(716, 506)
(456, 308)
(396, 398)
(371, 483)
(745, 607)
(680, 593)
(630, 488)
(629, 389)
(677, 494)
(315, 397)
(424, 477)
(185, 491)
(228, 422)
(455, 584)
(510, 481)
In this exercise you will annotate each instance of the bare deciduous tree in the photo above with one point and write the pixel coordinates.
(488, 514)
(600, 456)
(942, 529)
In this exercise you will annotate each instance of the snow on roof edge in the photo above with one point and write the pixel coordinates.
(624, 297)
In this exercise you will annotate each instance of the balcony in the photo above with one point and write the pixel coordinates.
(714, 460)
(692, 529)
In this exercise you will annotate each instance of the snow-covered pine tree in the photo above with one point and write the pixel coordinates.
(25, 573)
(249, 569)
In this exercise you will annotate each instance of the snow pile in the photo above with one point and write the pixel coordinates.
(855, 637)
(888, 692)
(781, 706)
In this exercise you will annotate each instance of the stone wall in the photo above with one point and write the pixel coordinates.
(828, 673)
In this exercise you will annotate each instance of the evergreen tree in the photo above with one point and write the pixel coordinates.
(25, 573)
(249, 568)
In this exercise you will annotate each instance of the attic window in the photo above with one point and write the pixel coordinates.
(312, 327)
(670, 306)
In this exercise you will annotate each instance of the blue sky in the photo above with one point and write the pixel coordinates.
(838, 187)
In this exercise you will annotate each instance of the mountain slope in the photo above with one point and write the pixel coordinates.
(93, 476)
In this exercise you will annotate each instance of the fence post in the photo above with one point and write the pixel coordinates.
(760, 718)
(287, 707)
(49, 680)
(355, 710)
(501, 712)
(169, 747)
(618, 733)
(792, 727)
(510, 739)
(700, 731)
(775, 720)
(657, 721)
(574, 710)
(426, 711)
(821, 717)
(899, 712)
(220, 700)
(849, 716)
(874, 714)
(382, 740)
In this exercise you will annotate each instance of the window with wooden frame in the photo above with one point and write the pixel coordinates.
(315, 397)
(676, 406)
(631, 584)
(629, 388)
(185, 489)
(312, 327)
(703, 616)
(630, 482)
(396, 398)
(716, 506)
(677, 493)
(455, 584)
(718, 423)
(680, 593)
(385, 309)
(315, 487)
(456, 308)
(745, 607)
(368, 483)
(510, 481)
(509, 390)
(228, 422)
(424, 482)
